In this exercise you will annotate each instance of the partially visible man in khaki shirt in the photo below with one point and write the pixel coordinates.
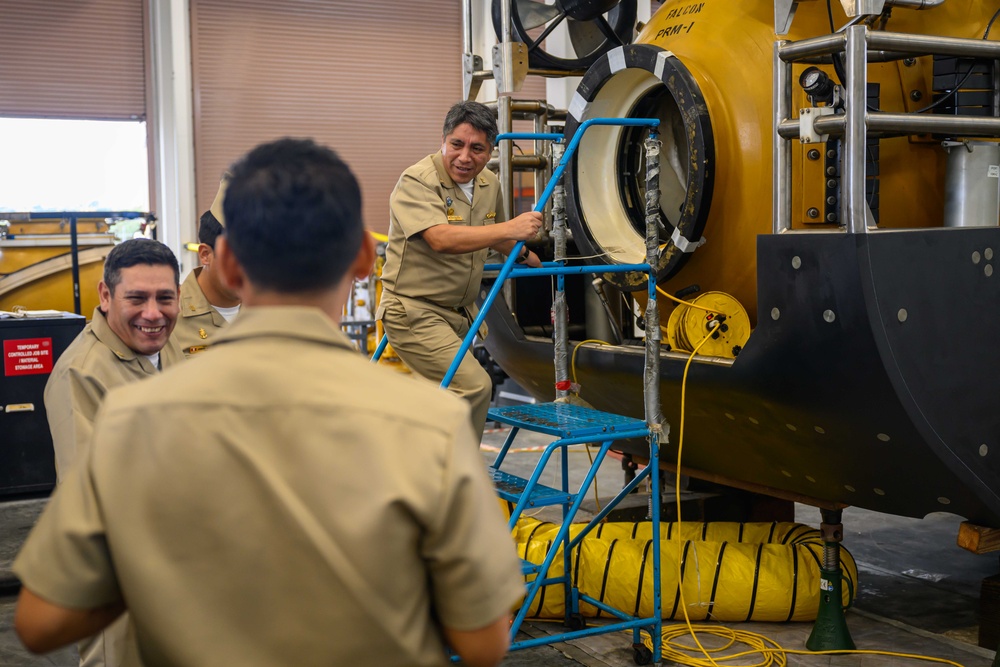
(207, 304)
(127, 340)
(215, 501)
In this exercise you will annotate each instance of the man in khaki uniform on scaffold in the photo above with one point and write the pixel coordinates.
(445, 214)
(215, 501)
(127, 340)
(207, 305)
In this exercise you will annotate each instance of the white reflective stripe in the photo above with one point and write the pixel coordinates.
(683, 244)
(661, 61)
(578, 107)
(616, 59)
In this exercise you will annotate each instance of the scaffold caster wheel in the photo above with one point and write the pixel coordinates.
(641, 654)
(576, 622)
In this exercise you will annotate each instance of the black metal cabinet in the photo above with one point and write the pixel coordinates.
(29, 348)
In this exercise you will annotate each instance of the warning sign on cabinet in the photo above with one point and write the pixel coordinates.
(27, 356)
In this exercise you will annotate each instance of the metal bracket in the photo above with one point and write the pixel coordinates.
(516, 54)
(472, 75)
(855, 8)
(784, 12)
(807, 118)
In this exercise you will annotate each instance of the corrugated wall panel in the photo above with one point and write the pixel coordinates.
(72, 59)
(371, 80)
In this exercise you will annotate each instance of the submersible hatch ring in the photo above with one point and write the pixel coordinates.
(606, 174)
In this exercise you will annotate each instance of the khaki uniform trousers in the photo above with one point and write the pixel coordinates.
(427, 337)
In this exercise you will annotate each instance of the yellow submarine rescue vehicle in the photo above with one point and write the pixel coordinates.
(829, 185)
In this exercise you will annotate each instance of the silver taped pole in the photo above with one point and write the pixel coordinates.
(651, 373)
(560, 321)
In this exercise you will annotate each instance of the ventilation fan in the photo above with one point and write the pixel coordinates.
(594, 26)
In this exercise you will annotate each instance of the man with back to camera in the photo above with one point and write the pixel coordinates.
(127, 340)
(445, 214)
(238, 537)
(207, 305)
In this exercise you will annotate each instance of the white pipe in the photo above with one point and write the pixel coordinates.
(172, 127)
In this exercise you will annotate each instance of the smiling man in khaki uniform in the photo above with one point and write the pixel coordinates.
(215, 500)
(127, 340)
(207, 305)
(445, 214)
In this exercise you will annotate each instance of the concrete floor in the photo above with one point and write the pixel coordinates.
(918, 592)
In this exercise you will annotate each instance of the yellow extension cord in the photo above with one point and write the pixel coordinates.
(590, 456)
(597, 499)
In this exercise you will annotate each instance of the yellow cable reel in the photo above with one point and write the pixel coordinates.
(717, 310)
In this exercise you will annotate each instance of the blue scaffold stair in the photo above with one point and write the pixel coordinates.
(511, 488)
(565, 420)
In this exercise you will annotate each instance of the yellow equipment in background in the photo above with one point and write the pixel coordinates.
(362, 305)
(688, 324)
(36, 258)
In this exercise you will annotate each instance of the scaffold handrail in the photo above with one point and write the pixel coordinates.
(508, 265)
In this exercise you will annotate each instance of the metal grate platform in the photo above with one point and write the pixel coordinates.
(510, 487)
(564, 420)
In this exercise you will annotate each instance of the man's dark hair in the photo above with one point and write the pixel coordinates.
(134, 252)
(293, 216)
(209, 229)
(475, 114)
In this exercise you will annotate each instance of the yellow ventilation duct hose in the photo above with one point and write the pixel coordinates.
(731, 571)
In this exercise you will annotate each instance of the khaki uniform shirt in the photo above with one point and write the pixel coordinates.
(244, 532)
(94, 363)
(426, 196)
(198, 322)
